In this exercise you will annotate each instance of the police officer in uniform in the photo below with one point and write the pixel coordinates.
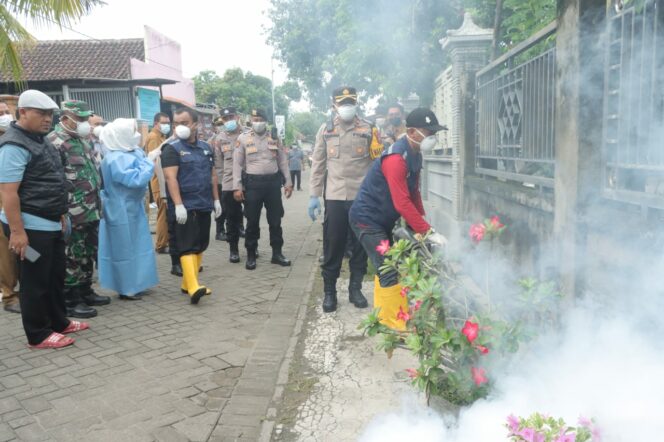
(341, 158)
(260, 166)
(215, 142)
(224, 144)
(191, 183)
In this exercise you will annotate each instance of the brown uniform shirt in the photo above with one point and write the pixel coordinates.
(154, 139)
(258, 155)
(223, 145)
(340, 160)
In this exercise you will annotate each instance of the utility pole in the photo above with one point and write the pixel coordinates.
(274, 111)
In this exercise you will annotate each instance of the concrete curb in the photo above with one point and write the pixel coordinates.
(282, 378)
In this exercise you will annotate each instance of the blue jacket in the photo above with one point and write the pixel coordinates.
(373, 205)
(195, 175)
(127, 262)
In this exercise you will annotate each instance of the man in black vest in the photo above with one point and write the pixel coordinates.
(32, 186)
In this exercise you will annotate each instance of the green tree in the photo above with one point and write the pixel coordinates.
(304, 126)
(244, 90)
(384, 47)
(13, 35)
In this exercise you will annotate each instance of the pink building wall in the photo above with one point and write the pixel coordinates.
(163, 59)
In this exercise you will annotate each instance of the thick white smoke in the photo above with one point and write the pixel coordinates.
(606, 365)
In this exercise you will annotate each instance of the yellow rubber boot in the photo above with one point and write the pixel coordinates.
(189, 265)
(199, 259)
(389, 299)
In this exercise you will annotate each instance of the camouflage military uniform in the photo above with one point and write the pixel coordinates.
(84, 205)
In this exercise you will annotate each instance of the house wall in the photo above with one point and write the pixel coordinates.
(163, 59)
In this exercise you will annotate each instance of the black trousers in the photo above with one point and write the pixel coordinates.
(263, 190)
(370, 238)
(193, 237)
(41, 286)
(296, 174)
(172, 243)
(336, 234)
(222, 219)
(233, 211)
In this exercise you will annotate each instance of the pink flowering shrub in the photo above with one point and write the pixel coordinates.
(542, 428)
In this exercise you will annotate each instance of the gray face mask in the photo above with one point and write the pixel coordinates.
(259, 127)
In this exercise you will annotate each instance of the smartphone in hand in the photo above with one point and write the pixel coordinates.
(31, 254)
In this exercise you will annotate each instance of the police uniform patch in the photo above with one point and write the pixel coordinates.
(252, 149)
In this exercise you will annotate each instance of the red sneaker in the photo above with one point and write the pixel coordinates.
(75, 326)
(54, 340)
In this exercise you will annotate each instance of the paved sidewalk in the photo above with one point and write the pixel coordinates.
(162, 369)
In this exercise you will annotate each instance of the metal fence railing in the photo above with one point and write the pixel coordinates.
(515, 121)
(633, 153)
(110, 103)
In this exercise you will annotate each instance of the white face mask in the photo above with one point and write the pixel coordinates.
(97, 131)
(259, 127)
(165, 128)
(5, 120)
(182, 132)
(427, 144)
(83, 128)
(347, 112)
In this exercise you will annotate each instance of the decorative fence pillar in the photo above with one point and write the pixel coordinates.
(467, 48)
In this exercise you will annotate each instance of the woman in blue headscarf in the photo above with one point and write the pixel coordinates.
(127, 262)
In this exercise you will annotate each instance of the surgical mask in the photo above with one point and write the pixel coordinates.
(347, 112)
(230, 126)
(83, 128)
(259, 127)
(395, 121)
(182, 132)
(164, 128)
(5, 120)
(380, 122)
(427, 144)
(97, 131)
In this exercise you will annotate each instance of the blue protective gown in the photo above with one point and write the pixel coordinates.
(127, 262)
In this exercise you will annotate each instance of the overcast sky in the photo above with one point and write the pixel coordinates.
(214, 34)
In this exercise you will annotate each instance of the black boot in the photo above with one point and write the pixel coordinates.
(91, 298)
(251, 259)
(279, 258)
(235, 254)
(76, 308)
(355, 295)
(330, 295)
(176, 270)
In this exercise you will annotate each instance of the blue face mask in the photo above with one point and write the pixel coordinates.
(230, 125)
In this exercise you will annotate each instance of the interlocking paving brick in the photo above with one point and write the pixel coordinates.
(160, 368)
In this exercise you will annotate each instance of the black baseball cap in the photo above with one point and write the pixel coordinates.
(259, 113)
(226, 111)
(423, 118)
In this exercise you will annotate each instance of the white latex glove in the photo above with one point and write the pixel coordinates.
(217, 209)
(180, 214)
(153, 155)
(437, 238)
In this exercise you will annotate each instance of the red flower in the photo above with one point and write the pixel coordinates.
(383, 247)
(477, 232)
(470, 330)
(412, 373)
(479, 376)
(482, 349)
(495, 223)
(402, 316)
(404, 291)
(417, 305)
